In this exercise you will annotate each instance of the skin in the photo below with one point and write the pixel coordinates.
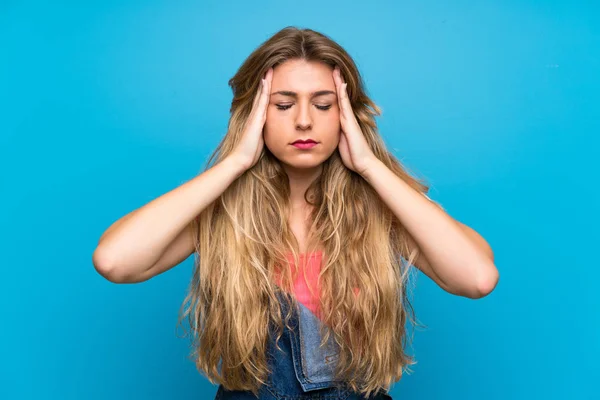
(452, 254)
(302, 120)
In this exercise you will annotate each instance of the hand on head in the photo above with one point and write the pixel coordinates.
(251, 144)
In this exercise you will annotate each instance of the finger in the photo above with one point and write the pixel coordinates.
(337, 76)
(269, 74)
(342, 100)
(337, 82)
(345, 100)
(264, 101)
(257, 96)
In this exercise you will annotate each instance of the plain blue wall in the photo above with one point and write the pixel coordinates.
(106, 106)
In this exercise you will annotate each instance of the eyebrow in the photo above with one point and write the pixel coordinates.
(295, 95)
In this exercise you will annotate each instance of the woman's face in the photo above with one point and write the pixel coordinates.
(303, 105)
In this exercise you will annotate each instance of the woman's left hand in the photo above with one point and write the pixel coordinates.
(354, 149)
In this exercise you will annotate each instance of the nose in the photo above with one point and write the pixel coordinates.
(303, 119)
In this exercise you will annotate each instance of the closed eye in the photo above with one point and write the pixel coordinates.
(287, 106)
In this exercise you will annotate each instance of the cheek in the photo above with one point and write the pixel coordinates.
(333, 120)
(270, 131)
(274, 120)
(274, 135)
(331, 126)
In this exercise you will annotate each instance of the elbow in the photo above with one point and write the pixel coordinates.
(488, 277)
(486, 283)
(107, 269)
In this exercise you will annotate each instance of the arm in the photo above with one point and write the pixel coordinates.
(158, 236)
(454, 255)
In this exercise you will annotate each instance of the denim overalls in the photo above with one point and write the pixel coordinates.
(300, 370)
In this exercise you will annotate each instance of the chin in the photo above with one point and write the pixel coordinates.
(302, 164)
(302, 161)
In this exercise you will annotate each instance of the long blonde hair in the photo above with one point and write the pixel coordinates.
(244, 235)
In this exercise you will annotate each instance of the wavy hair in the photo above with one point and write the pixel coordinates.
(244, 236)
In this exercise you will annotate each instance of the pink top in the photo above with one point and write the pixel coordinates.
(312, 267)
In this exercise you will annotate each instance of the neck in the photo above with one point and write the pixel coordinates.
(300, 179)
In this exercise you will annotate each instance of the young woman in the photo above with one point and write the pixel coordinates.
(305, 230)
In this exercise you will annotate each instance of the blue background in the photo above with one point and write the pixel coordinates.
(105, 106)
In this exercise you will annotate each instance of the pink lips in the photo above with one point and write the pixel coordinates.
(304, 144)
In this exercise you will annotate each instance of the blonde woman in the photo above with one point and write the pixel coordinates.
(305, 229)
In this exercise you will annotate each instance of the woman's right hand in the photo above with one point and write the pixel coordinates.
(251, 144)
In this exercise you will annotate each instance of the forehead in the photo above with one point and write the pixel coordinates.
(302, 76)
